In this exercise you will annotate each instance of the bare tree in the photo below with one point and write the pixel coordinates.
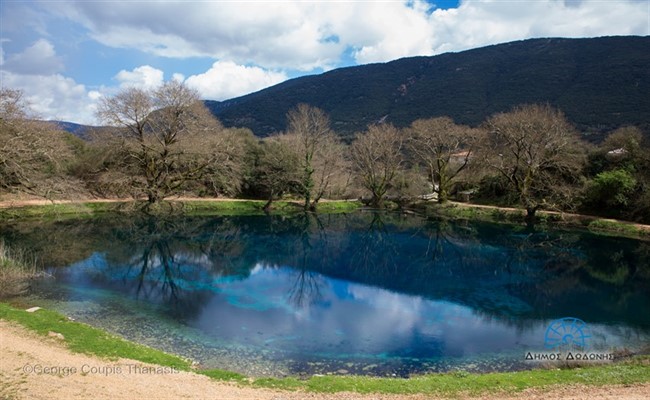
(169, 135)
(328, 168)
(377, 157)
(444, 149)
(33, 155)
(313, 139)
(276, 170)
(535, 148)
(225, 174)
(332, 171)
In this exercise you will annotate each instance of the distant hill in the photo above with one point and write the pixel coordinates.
(82, 131)
(600, 83)
(75, 129)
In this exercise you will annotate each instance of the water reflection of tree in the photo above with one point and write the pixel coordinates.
(450, 247)
(311, 243)
(177, 260)
(54, 243)
(154, 261)
(376, 251)
(159, 258)
(224, 242)
(306, 288)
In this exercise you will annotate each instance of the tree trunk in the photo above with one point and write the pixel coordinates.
(267, 206)
(307, 204)
(314, 205)
(153, 197)
(443, 195)
(308, 183)
(530, 215)
(377, 201)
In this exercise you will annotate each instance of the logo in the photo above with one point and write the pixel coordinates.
(567, 340)
(567, 333)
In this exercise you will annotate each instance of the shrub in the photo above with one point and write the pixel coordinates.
(612, 189)
(16, 271)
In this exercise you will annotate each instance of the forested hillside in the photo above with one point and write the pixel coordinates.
(600, 84)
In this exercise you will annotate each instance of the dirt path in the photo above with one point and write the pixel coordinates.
(24, 357)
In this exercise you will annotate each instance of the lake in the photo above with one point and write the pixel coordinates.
(362, 293)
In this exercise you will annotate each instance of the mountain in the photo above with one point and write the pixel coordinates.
(71, 127)
(599, 83)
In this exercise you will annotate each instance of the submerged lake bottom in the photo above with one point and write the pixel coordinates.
(365, 293)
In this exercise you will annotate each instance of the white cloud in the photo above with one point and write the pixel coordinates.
(54, 97)
(227, 80)
(479, 23)
(49, 94)
(385, 31)
(272, 34)
(37, 59)
(143, 77)
(308, 35)
(255, 42)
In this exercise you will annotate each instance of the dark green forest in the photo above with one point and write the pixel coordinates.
(600, 84)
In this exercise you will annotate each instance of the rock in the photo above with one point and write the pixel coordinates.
(33, 309)
(55, 335)
(342, 371)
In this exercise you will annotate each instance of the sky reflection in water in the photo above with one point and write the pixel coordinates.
(364, 293)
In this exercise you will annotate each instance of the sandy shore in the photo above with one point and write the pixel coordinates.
(34, 367)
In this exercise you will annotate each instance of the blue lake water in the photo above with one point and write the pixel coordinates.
(365, 293)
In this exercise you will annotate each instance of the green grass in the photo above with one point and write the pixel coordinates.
(456, 384)
(252, 207)
(85, 339)
(221, 207)
(333, 207)
(240, 207)
(255, 207)
(618, 227)
(187, 207)
(222, 375)
(545, 219)
(59, 211)
(81, 338)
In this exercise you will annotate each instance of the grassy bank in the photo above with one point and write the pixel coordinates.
(85, 339)
(188, 207)
(471, 212)
(453, 211)
(81, 338)
(55, 211)
(252, 207)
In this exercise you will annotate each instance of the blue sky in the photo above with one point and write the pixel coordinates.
(65, 55)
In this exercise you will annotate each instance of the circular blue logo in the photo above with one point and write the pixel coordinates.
(567, 333)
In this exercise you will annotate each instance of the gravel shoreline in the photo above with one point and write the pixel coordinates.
(35, 367)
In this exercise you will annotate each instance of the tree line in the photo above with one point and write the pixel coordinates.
(164, 142)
